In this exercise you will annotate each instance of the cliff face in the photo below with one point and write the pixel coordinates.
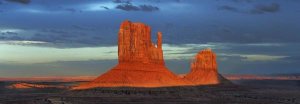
(204, 68)
(135, 45)
(141, 63)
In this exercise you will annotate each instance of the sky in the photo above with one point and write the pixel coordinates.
(79, 37)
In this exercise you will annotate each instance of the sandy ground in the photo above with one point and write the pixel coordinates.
(245, 92)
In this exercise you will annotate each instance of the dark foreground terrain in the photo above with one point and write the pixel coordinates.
(242, 92)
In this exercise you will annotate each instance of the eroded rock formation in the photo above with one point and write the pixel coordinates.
(141, 63)
(204, 68)
(135, 45)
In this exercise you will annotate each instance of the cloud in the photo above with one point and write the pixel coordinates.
(117, 1)
(271, 8)
(178, 1)
(4, 30)
(73, 36)
(148, 8)
(9, 33)
(59, 68)
(228, 8)
(257, 9)
(292, 58)
(105, 7)
(238, 1)
(83, 27)
(73, 10)
(193, 33)
(262, 57)
(22, 42)
(57, 37)
(255, 57)
(12, 34)
(296, 57)
(56, 31)
(49, 54)
(130, 7)
(122, 1)
(20, 1)
(69, 37)
(265, 44)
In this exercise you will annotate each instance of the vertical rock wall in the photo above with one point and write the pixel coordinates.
(135, 45)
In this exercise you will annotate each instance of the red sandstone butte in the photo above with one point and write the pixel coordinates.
(204, 68)
(141, 63)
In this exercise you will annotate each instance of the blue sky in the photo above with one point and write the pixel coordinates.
(79, 37)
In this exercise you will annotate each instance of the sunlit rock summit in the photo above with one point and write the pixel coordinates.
(135, 45)
(141, 63)
(204, 68)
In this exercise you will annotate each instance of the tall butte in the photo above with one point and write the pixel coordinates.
(141, 63)
(135, 45)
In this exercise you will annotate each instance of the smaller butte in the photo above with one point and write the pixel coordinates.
(204, 68)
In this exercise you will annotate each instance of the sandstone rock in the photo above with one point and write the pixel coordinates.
(204, 68)
(135, 45)
(133, 75)
(141, 62)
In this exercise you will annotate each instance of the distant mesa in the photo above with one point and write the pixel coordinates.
(141, 63)
(30, 86)
(50, 79)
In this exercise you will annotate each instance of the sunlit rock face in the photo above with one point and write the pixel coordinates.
(130, 75)
(204, 68)
(141, 62)
(135, 45)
